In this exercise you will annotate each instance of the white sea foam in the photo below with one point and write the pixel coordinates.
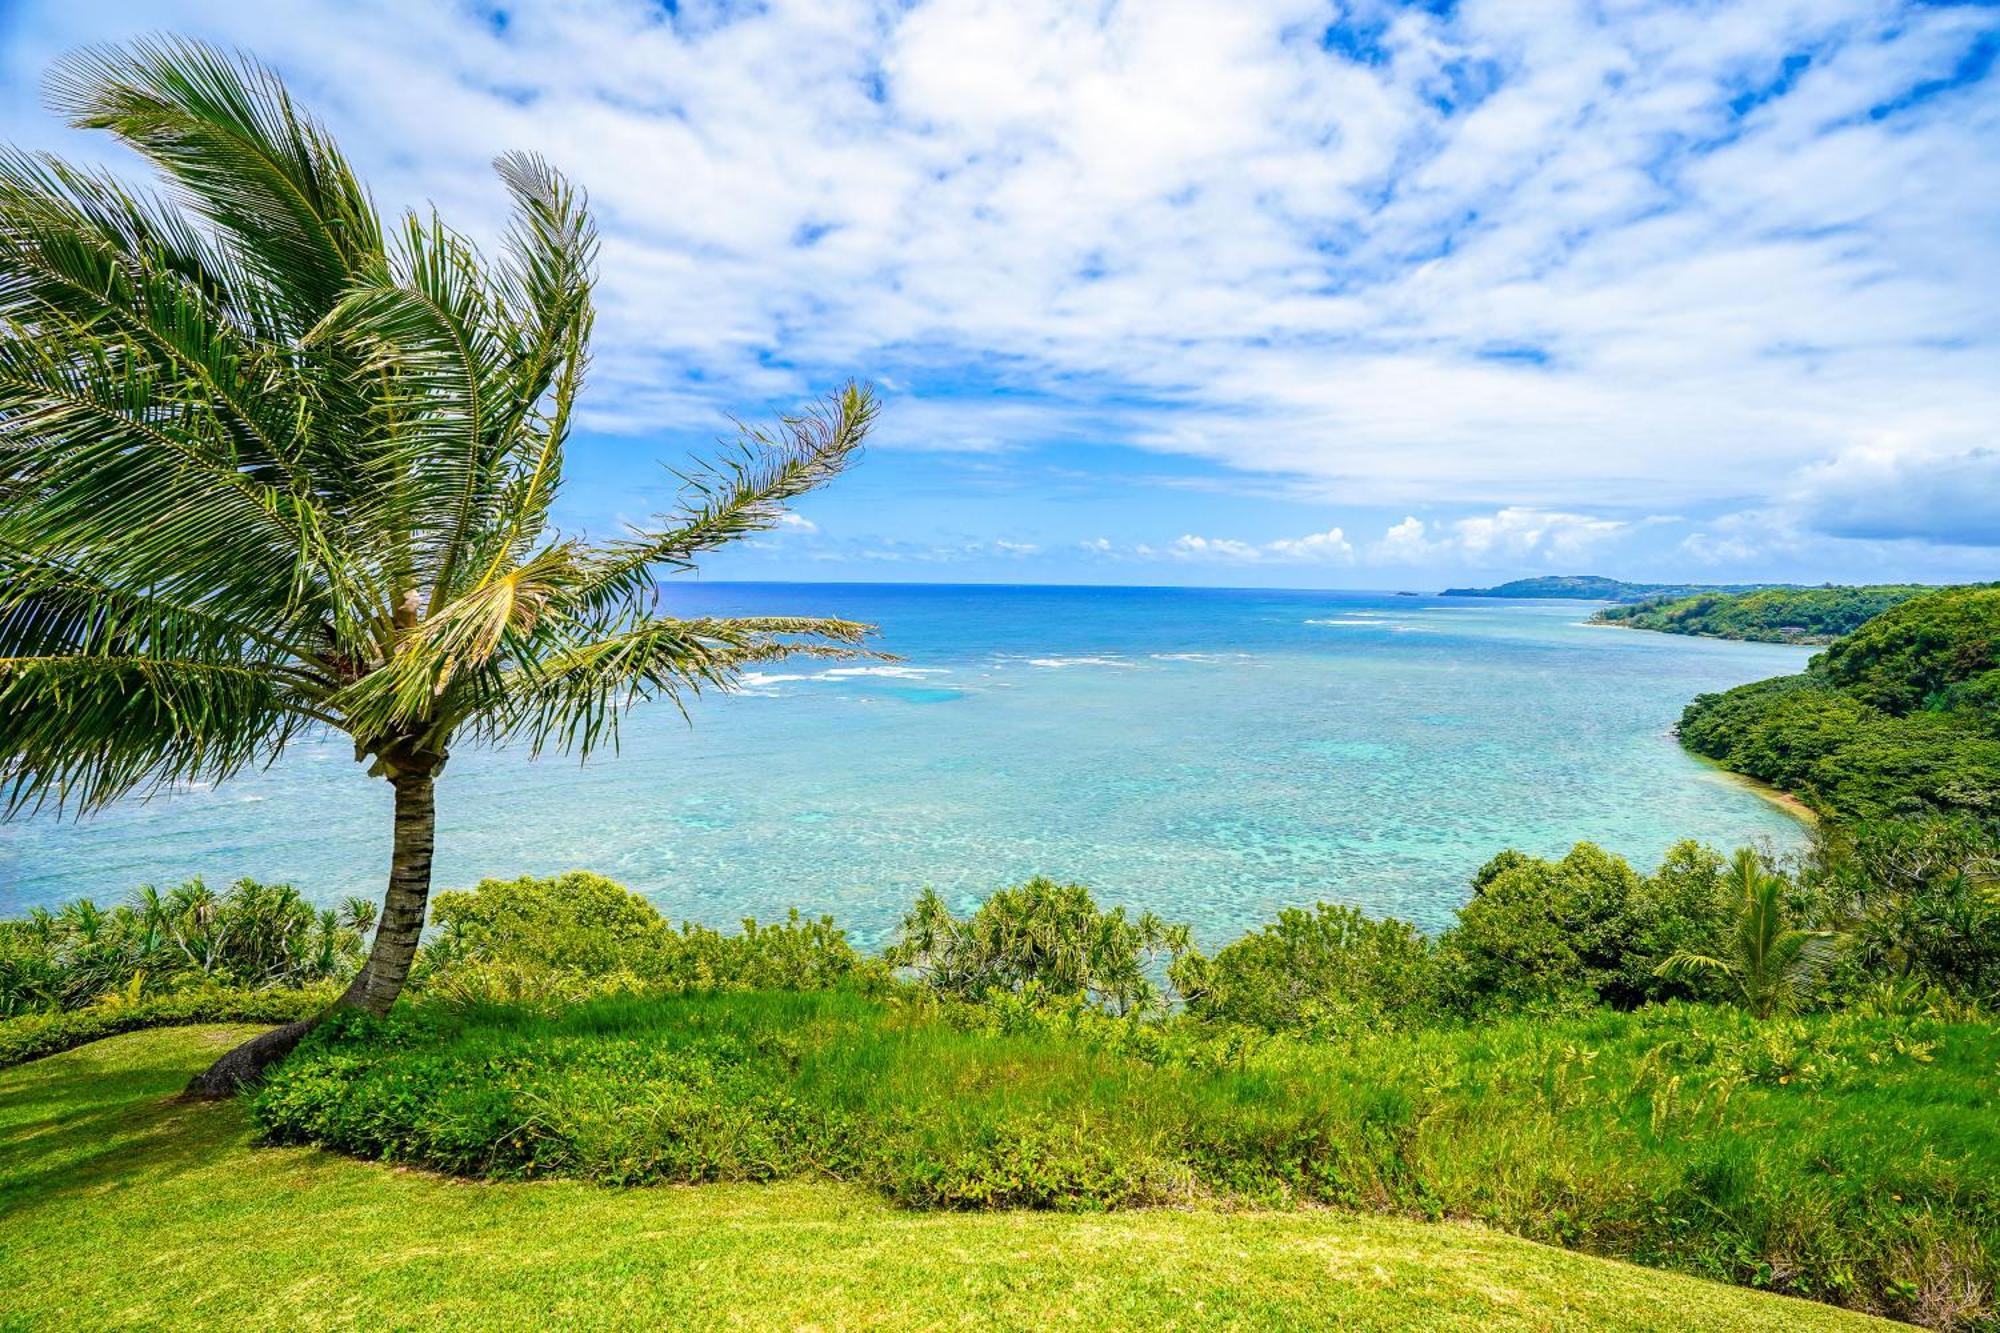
(1349, 620)
(759, 682)
(751, 680)
(1079, 661)
(895, 672)
(1200, 657)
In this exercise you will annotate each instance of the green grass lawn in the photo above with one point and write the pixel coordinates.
(121, 1207)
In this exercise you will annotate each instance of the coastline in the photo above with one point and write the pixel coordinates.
(1776, 796)
(1797, 641)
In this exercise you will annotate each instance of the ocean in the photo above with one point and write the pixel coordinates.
(1213, 755)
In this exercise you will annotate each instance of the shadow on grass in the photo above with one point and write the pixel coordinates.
(116, 1120)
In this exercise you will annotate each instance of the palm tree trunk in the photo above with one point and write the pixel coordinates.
(381, 979)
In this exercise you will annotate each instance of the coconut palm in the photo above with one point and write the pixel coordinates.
(270, 465)
(1768, 963)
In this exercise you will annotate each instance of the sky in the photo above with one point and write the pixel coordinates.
(1240, 292)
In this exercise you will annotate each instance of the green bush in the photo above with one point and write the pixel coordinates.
(1781, 1153)
(1324, 970)
(1916, 902)
(1565, 935)
(1042, 934)
(554, 941)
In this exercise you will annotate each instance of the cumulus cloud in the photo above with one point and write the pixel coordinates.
(1888, 491)
(1563, 257)
(1329, 547)
(1515, 535)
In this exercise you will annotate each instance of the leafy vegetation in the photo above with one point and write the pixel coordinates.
(251, 936)
(1630, 1064)
(1769, 965)
(1771, 615)
(1900, 717)
(1041, 936)
(97, 1160)
(1329, 969)
(550, 942)
(268, 466)
(1698, 1138)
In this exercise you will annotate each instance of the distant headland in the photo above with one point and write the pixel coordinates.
(1597, 588)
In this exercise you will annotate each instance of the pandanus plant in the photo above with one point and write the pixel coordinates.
(270, 466)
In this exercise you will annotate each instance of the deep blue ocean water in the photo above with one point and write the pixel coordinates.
(1211, 754)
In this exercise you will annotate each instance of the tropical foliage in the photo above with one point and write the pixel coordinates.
(1769, 965)
(1332, 968)
(251, 936)
(1900, 718)
(271, 464)
(549, 942)
(1618, 1134)
(1773, 615)
(1048, 936)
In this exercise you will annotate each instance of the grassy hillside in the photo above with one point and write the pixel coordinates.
(1769, 615)
(1769, 1153)
(121, 1207)
(1901, 716)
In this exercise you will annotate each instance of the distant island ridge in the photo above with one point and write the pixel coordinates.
(1764, 612)
(1597, 588)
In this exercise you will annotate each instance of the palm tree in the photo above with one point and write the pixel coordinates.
(270, 466)
(1769, 964)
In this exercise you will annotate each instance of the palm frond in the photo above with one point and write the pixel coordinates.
(570, 696)
(82, 731)
(225, 130)
(746, 490)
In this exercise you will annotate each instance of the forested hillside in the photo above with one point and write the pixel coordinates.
(1771, 615)
(1902, 715)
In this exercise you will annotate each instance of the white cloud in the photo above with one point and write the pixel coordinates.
(1405, 543)
(1520, 254)
(1890, 491)
(1515, 536)
(1329, 547)
(790, 522)
(1212, 548)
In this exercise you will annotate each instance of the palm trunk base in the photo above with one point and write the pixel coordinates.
(381, 978)
(244, 1066)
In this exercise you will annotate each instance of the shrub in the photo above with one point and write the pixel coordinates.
(557, 940)
(577, 922)
(1328, 969)
(1563, 935)
(1917, 901)
(1052, 936)
(1540, 934)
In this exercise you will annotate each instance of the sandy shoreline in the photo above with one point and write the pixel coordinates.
(1777, 796)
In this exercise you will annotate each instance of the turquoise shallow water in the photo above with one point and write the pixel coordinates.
(1213, 755)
